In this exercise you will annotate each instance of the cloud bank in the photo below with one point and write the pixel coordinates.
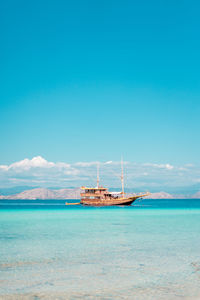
(40, 172)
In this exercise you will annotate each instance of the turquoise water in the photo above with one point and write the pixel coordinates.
(147, 251)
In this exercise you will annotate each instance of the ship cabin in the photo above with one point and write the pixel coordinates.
(98, 193)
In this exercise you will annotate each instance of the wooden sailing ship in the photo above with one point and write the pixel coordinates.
(100, 196)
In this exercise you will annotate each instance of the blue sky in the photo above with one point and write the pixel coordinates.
(94, 80)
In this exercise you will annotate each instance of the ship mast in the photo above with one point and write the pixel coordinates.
(122, 178)
(97, 175)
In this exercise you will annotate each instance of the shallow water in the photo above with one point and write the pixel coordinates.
(147, 251)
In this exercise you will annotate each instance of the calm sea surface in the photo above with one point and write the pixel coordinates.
(150, 250)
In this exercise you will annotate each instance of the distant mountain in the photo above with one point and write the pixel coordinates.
(160, 195)
(74, 193)
(196, 195)
(15, 190)
(44, 194)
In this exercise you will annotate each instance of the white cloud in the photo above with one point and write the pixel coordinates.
(167, 166)
(160, 166)
(3, 167)
(108, 162)
(35, 162)
(38, 171)
(86, 164)
(94, 163)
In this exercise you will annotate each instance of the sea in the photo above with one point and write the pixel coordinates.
(150, 250)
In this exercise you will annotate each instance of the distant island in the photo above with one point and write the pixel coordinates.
(45, 194)
(74, 193)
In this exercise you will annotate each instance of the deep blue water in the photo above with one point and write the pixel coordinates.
(150, 250)
(60, 204)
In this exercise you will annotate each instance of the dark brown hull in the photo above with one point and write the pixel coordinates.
(109, 202)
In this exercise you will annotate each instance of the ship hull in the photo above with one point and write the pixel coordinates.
(109, 202)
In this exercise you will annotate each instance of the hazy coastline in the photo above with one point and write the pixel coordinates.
(74, 193)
